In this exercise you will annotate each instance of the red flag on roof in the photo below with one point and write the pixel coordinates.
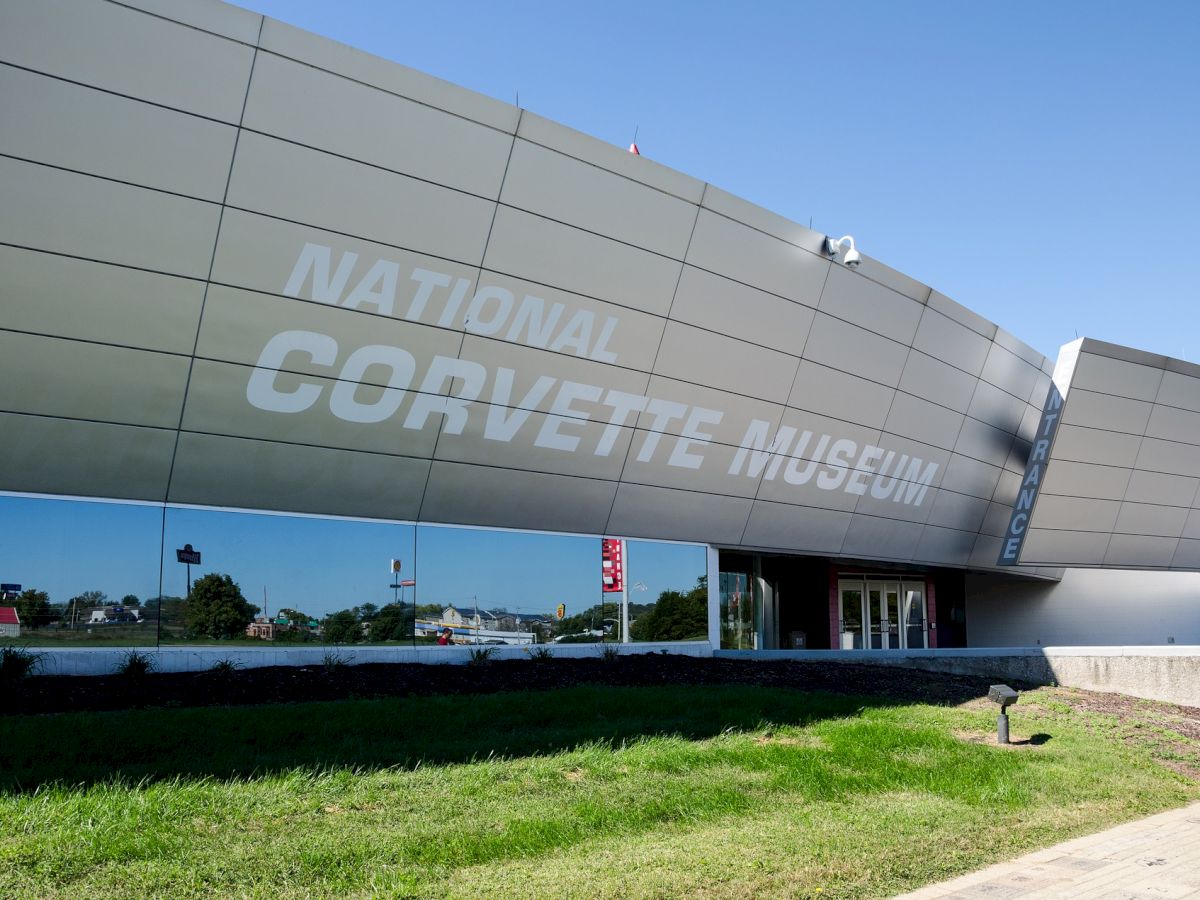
(634, 150)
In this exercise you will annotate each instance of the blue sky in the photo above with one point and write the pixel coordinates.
(1034, 161)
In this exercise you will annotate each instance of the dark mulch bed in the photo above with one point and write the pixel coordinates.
(290, 684)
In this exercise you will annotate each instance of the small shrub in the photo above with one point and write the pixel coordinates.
(334, 661)
(541, 653)
(480, 656)
(610, 652)
(135, 665)
(17, 663)
(225, 667)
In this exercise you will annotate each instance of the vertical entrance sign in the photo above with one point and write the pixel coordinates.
(1039, 455)
(1035, 472)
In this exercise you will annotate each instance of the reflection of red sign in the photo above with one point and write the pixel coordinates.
(612, 566)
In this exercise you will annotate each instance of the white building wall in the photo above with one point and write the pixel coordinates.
(1088, 607)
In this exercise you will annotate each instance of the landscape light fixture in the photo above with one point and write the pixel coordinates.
(1006, 697)
(852, 258)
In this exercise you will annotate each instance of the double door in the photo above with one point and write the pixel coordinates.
(882, 614)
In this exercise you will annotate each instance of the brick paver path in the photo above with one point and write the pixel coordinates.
(1158, 857)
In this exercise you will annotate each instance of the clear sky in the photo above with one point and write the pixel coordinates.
(1035, 161)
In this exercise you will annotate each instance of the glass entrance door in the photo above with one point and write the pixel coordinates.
(876, 616)
(883, 608)
(882, 614)
(739, 629)
(851, 615)
(893, 633)
(916, 631)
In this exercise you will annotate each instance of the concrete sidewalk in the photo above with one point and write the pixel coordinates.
(1157, 857)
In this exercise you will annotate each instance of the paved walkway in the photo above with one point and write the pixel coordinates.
(1158, 857)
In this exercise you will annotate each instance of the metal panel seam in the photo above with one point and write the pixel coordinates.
(208, 280)
(462, 338)
(654, 362)
(787, 406)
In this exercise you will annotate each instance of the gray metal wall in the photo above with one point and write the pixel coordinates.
(245, 266)
(1087, 608)
(1115, 480)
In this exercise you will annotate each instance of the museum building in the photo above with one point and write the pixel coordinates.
(244, 267)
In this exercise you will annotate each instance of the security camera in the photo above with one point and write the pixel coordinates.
(852, 258)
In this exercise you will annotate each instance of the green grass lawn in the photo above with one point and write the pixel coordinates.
(730, 791)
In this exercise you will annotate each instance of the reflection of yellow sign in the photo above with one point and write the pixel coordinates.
(396, 566)
(561, 611)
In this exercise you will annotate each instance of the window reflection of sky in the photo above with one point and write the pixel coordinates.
(317, 565)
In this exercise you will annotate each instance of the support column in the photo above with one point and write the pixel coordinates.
(931, 612)
(835, 633)
(713, 569)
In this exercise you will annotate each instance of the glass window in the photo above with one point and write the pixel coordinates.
(851, 614)
(914, 615)
(290, 579)
(85, 570)
(738, 631)
(123, 574)
(510, 587)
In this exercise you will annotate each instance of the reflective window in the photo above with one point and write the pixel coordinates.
(123, 574)
(738, 619)
(851, 616)
(80, 572)
(522, 588)
(668, 591)
(289, 579)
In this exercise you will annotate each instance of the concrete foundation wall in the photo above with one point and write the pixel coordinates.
(1088, 607)
(1169, 674)
(104, 661)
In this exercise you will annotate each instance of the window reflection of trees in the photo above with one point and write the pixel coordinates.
(98, 573)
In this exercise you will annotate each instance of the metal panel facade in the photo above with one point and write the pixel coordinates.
(1116, 483)
(286, 275)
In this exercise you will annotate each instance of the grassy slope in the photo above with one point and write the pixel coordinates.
(730, 791)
